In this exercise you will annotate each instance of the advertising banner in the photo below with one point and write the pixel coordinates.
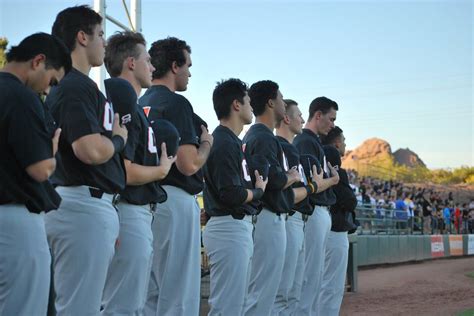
(437, 246)
(455, 245)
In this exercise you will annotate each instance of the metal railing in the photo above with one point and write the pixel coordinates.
(380, 220)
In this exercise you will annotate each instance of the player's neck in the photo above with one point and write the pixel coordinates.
(235, 125)
(18, 70)
(131, 78)
(286, 134)
(266, 119)
(166, 81)
(312, 127)
(80, 61)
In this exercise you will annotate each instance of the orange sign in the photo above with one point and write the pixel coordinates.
(455, 245)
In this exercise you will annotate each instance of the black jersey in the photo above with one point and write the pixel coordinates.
(141, 149)
(346, 201)
(260, 140)
(293, 157)
(227, 177)
(309, 143)
(161, 102)
(80, 109)
(26, 136)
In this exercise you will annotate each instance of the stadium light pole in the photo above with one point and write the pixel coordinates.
(98, 74)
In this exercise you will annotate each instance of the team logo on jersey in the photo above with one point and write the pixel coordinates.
(146, 110)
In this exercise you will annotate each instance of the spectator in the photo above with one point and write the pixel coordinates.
(426, 207)
(447, 218)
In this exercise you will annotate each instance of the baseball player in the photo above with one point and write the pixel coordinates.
(289, 287)
(322, 114)
(230, 200)
(82, 233)
(175, 277)
(28, 142)
(270, 235)
(342, 217)
(290, 283)
(127, 280)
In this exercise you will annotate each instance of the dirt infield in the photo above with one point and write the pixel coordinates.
(438, 287)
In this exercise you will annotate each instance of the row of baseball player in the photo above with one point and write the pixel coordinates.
(102, 188)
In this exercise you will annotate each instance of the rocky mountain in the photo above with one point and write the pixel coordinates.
(376, 151)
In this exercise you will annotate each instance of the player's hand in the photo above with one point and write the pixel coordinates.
(118, 129)
(293, 175)
(317, 177)
(166, 161)
(334, 174)
(55, 141)
(204, 218)
(205, 136)
(259, 182)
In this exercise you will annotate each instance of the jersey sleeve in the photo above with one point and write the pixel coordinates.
(227, 175)
(27, 133)
(181, 115)
(79, 117)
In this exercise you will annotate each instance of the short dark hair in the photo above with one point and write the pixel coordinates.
(331, 137)
(119, 47)
(225, 93)
(57, 54)
(164, 52)
(72, 20)
(322, 104)
(260, 92)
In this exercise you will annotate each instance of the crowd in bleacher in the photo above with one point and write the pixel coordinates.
(416, 209)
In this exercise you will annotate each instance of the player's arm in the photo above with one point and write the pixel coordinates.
(42, 170)
(225, 168)
(191, 158)
(139, 175)
(96, 149)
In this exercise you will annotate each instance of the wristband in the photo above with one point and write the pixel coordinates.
(315, 186)
(118, 142)
(257, 194)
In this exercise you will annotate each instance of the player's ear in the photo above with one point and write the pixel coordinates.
(130, 62)
(37, 60)
(174, 67)
(236, 105)
(81, 38)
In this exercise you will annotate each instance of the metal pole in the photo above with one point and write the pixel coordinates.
(136, 8)
(98, 73)
(118, 23)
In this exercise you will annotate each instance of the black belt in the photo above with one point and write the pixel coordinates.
(241, 217)
(96, 193)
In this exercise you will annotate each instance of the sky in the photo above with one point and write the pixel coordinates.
(399, 70)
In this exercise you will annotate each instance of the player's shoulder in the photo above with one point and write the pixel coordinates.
(76, 82)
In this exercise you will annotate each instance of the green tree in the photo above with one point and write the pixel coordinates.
(3, 47)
